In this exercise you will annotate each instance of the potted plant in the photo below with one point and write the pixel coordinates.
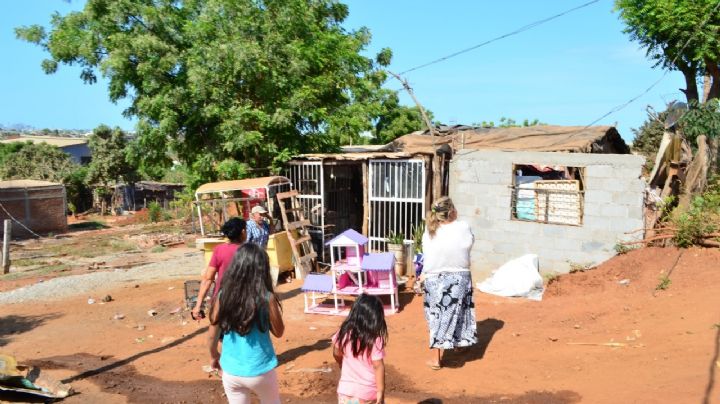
(417, 234)
(396, 245)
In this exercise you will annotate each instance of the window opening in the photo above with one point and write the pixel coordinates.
(548, 194)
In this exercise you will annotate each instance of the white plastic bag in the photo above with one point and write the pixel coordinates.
(516, 278)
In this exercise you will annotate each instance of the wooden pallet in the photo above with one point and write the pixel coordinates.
(296, 227)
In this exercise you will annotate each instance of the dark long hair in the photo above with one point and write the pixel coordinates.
(363, 326)
(233, 230)
(245, 292)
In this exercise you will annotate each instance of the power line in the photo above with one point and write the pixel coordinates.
(515, 32)
(647, 90)
(18, 222)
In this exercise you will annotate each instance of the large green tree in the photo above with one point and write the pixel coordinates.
(39, 161)
(109, 157)
(679, 35)
(243, 82)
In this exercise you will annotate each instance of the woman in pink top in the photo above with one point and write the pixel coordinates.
(359, 349)
(234, 230)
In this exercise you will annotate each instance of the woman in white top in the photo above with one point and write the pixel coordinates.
(447, 284)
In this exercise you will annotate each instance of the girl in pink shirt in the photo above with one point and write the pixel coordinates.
(359, 349)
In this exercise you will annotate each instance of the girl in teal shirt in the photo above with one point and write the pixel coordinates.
(243, 315)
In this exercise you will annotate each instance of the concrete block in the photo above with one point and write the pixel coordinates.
(483, 246)
(612, 211)
(598, 197)
(502, 201)
(599, 171)
(627, 198)
(593, 209)
(636, 186)
(464, 199)
(498, 213)
(591, 246)
(508, 248)
(596, 223)
(614, 184)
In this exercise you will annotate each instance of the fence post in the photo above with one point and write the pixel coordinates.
(7, 229)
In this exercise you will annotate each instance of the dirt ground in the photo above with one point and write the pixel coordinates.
(592, 339)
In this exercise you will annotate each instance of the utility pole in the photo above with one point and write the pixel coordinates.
(6, 246)
(438, 162)
(407, 87)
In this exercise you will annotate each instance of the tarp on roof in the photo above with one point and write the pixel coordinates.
(354, 156)
(21, 184)
(543, 138)
(236, 185)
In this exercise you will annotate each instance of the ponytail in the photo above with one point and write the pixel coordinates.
(439, 212)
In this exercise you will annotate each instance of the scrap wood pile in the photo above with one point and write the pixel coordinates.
(152, 240)
(682, 200)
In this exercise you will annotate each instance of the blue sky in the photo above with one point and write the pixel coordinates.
(569, 71)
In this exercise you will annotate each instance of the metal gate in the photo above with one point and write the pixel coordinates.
(307, 179)
(397, 199)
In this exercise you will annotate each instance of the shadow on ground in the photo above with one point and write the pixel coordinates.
(294, 353)
(12, 325)
(486, 330)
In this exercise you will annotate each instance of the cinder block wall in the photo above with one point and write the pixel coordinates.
(480, 186)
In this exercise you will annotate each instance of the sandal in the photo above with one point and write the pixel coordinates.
(433, 365)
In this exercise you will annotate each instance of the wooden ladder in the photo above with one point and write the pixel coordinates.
(298, 235)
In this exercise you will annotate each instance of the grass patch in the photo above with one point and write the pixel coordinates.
(27, 262)
(42, 271)
(90, 248)
(158, 249)
(578, 267)
(664, 283)
(89, 225)
(550, 277)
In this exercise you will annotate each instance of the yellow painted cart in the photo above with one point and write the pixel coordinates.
(217, 202)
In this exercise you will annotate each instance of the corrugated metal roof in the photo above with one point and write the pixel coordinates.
(20, 184)
(236, 185)
(53, 141)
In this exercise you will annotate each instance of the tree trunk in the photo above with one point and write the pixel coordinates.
(691, 90)
(714, 154)
(707, 82)
(712, 69)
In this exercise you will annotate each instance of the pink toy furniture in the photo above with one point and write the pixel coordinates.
(352, 273)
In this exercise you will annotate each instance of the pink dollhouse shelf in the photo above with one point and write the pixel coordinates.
(352, 272)
(355, 290)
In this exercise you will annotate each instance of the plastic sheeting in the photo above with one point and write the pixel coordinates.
(516, 278)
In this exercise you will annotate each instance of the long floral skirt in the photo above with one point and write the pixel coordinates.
(450, 310)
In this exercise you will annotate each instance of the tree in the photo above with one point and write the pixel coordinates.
(8, 149)
(509, 123)
(397, 120)
(38, 161)
(109, 161)
(672, 34)
(243, 82)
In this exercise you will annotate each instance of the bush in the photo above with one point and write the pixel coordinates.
(155, 212)
(701, 219)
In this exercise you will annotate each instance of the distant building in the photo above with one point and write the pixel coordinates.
(77, 148)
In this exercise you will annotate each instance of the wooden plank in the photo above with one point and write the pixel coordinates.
(288, 194)
(297, 225)
(308, 257)
(302, 240)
